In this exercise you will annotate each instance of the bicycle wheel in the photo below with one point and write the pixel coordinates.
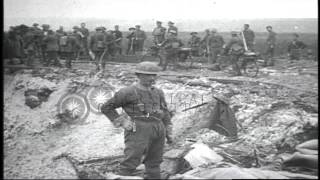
(250, 68)
(149, 57)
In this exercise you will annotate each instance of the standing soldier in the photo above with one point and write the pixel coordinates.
(38, 38)
(30, 46)
(146, 122)
(118, 36)
(60, 32)
(194, 43)
(79, 36)
(68, 47)
(44, 34)
(140, 37)
(158, 33)
(171, 47)
(215, 45)
(271, 43)
(172, 27)
(235, 49)
(131, 41)
(97, 45)
(84, 40)
(52, 48)
(295, 47)
(205, 42)
(249, 37)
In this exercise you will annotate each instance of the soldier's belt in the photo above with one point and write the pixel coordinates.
(146, 118)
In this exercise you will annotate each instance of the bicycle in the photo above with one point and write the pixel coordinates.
(152, 54)
(248, 63)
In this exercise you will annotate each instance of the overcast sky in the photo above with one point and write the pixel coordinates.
(161, 9)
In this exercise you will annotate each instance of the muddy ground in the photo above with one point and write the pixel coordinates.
(276, 111)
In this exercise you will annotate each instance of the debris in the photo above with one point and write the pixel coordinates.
(201, 155)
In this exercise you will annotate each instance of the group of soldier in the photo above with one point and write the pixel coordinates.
(51, 46)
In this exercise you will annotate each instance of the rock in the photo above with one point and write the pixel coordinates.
(32, 101)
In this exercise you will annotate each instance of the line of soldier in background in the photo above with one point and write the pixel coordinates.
(51, 46)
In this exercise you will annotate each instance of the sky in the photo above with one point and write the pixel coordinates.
(137, 11)
(162, 9)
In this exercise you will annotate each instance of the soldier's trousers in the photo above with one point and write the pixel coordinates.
(171, 56)
(52, 55)
(148, 140)
(295, 54)
(235, 66)
(270, 54)
(69, 57)
(100, 60)
(131, 47)
(31, 54)
(214, 52)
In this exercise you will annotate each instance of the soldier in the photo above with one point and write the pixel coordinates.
(205, 42)
(271, 42)
(146, 122)
(235, 49)
(84, 40)
(249, 37)
(118, 36)
(30, 46)
(194, 43)
(60, 31)
(97, 44)
(44, 34)
(172, 27)
(35, 26)
(131, 41)
(77, 33)
(15, 45)
(69, 44)
(38, 38)
(140, 37)
(295, 47)
(52, 48)
(171, 46)
(216, 43)
(158, 33)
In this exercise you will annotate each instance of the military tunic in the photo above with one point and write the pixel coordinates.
(140, 37)
(148, 110)
(171, 47)
(159, 34)
(271, 43)
(215, 43)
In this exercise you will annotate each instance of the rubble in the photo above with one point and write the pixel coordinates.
(271, 121)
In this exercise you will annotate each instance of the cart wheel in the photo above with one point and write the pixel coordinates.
(149, 57)
(250, 68)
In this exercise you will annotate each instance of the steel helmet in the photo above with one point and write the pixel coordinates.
(147, 67)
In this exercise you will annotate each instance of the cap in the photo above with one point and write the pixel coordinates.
(132, 28)
(147, 67)
(269, 27)
(170, 22)
(138, 26)
(193, 33)
(35, 24)
(159, 22)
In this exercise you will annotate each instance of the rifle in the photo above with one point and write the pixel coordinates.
(244, 41)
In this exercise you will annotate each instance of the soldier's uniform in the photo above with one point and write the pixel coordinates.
(151, 121)
(140, 37)
(215, 46)
(158, 34)
(131, 42)
(171, 46)
(99, 43)
(235, 48)
(84, 39)
(205, 42)
(194, 42)
(295, 47)
(43, 44)
(249, 37)
(271, 43)
(118, 35)
(30, 46)
(68, 45)
(172, 28)
(52, 48)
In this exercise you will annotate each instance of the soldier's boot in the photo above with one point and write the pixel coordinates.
(153, 172)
